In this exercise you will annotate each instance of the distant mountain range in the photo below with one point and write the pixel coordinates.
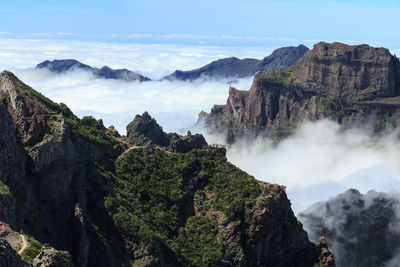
(64, 65)
(233, 67)
(223, 68)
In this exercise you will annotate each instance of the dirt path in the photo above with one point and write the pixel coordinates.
(135, 147)
(24, 244)
(129, 149)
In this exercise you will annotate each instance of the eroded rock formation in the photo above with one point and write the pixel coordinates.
(337, 81)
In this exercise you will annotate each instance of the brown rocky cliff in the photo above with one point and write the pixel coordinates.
(335, 81)
(339, 69)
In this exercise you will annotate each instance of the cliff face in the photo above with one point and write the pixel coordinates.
(94, 200)
(361, 71)
(341, 82)
(45, 149)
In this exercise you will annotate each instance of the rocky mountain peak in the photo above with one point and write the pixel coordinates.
(359, 71)
(144, 130)
(65, 65)
(333, 80)
(62, 65)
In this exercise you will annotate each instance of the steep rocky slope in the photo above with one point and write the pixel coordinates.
(234, 67)
(65, 65)
(363, 230)
(145, 131)
(344, 83)
(82, 193)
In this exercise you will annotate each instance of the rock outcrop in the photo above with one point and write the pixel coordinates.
(362, 230)
(186, 143)
(239, 68)
(8, 256)
(337, 81)
(52, 258)
(65, 65)
(360, 72)
(144, 130)
(7, 205)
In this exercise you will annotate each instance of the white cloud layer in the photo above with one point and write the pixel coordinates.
(320, 160)
(175, 105)
(152, 60)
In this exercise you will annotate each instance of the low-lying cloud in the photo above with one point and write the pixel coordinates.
(175, 104)
(152, 60)
(321, 160)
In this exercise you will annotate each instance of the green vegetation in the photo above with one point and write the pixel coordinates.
(32, 250)
(275, 77)
(50, 105)
(4, 189)
(334, 109)
(149, 193)
(90, 130)
(199, 235)
(385, 121)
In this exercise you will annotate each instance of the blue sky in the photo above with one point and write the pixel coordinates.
(213, 22)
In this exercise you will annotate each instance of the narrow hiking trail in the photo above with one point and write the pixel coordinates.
(24, 244)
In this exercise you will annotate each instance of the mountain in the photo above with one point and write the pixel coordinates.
(83, 195)
(345, 83)
(64, 65)
(363, 230)
(234, 67)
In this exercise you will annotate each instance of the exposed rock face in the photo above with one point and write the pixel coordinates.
(12, 157)
(8, 256)
(144, 130)
(327, 257)
(64, 65)
(8, 234)
(52, 258)
(112, 131)
(234, 67)
(362, 230)
(7, 205)
(337, 81)
(188, 142)
(360, 71)
(42, 185)
(268, 245)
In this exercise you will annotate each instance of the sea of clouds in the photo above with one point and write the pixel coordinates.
(317, 162)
